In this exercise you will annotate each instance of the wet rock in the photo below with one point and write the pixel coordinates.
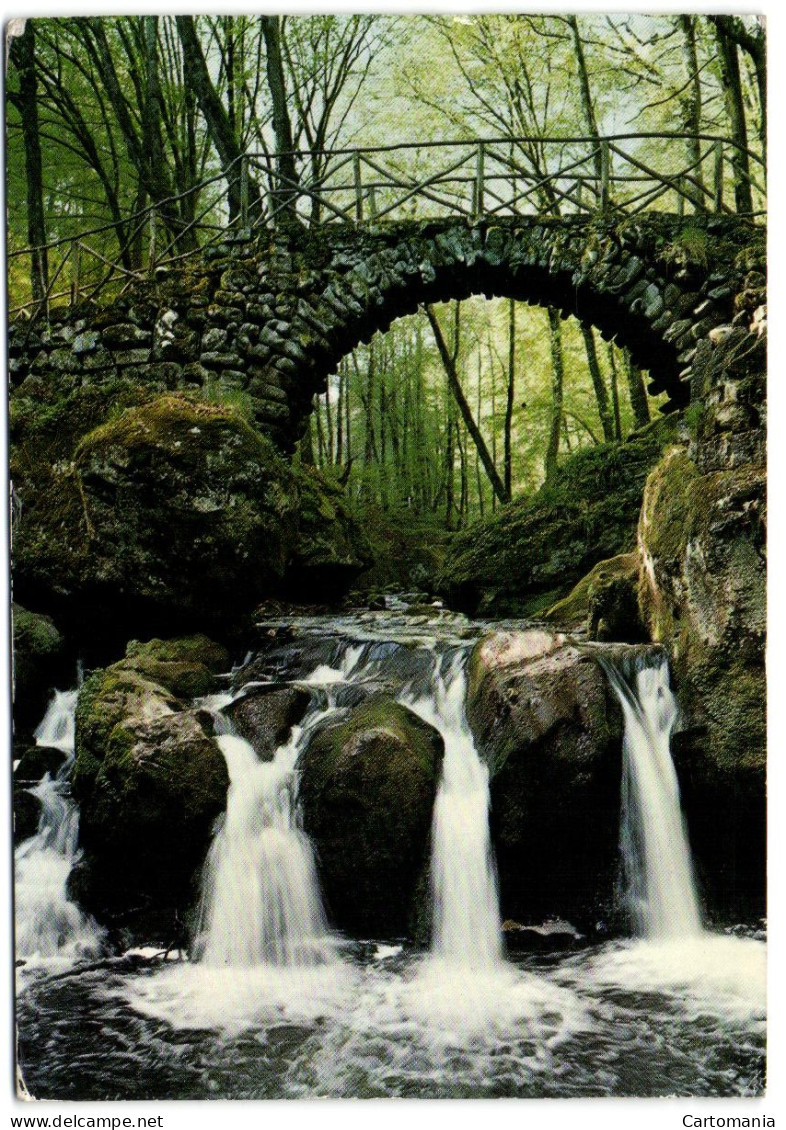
(265, 715)
(547, 937)
(703, 594)
(35, 762)
(26, 814)
(604, 603)
(39, 661)
(150, 782)
(367, 790)
(545, 720)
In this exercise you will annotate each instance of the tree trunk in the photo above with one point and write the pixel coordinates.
(557, 380)
(586, 96)
(22, 53)
(615, 392)
(285, 196)
(449, 366)
(510, 398)
(217, 120)
(636, 390)
(735, 112)
(601, 395)
(691, 103)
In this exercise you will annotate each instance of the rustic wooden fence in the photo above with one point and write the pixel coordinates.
(479, 179)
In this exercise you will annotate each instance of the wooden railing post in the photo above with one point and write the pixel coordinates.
(244, 191)
(605, 175)
(480, 175)
(358, 188)
(372, 203)
(718, 194)
(681, 195)
(151, 245)
(75, 267)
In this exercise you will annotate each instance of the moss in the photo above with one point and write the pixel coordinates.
(543, 545)
(185, 666)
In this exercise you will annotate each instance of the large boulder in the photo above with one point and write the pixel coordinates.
(176, 511)
(546, 720)
(703, 594)
(149, 777)
(39, 659)
(604, 603)
(367, 790)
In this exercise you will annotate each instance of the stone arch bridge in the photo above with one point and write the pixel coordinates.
(272, 315)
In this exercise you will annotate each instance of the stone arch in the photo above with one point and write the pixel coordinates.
(272, 316)
(629, 282)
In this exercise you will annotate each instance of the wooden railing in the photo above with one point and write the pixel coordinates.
(479, 179)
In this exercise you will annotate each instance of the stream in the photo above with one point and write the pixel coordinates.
(274, 1003)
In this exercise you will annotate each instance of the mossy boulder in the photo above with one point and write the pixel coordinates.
(604, 603)
(702, 591)
(547, 723)
(39, 660)
(533, 551)
(149, 778)
(367, 791)
(176, 508)
(331, 548)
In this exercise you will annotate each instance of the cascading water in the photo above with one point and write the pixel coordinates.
(660, 884)
(262, 1015)
(466, 916)
(261, 902)
(48, 923)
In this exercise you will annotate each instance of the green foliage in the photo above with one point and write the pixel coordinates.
(548, 542)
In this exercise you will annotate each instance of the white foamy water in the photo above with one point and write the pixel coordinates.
(467, 927)
(660, 884)
(48, 925)
(706, 973)
(261, 903)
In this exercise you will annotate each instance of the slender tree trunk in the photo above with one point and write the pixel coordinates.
(557, 381)
(329, 424)
(286, 194)
(615, 392)
(586, 96)
(449, 366)
(342, 372)
(637, 392)
(217, 120)
(691, 103)
(510, 398)
(22, 52)
(601, 395)
(735, 112)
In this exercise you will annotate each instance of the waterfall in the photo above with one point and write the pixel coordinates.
(466, 916)
(48, 923)
(261, 903)
(660, 884)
